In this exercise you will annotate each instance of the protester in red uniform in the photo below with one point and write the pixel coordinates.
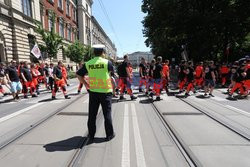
(157, 76)
(59, 81)
(190, 78)
(165, 73)
(224, 70)
(27, 81)
(240, 77)
(35, 74)
(199, 75)
(65, 74)
(124, 78)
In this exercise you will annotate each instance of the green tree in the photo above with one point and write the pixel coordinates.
(205, 27)
(75, 52)
(88, 54)
(52, 41)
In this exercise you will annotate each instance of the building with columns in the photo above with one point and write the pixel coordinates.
(84, 21)
(100, 37)
(73, 20)
(17, 28)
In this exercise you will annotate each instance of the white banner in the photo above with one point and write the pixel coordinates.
(36, 51)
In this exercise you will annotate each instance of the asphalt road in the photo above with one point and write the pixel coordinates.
(143, 137)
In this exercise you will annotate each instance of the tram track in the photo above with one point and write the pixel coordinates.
(190, 158)
(36, 124)
(219, 120)
(187, 153)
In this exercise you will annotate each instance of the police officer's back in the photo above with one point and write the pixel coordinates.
(100, 90)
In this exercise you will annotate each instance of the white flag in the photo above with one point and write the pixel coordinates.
(36, 51)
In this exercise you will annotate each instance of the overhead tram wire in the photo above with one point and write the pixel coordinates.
(109, 22)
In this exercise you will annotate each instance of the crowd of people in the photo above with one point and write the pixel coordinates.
(155, 77)
(25, 78)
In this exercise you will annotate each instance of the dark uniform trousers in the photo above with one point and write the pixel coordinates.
(95, 99)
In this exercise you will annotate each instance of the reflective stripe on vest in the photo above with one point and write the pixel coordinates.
(99, 78)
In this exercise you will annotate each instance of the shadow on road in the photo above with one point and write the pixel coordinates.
(71, 143)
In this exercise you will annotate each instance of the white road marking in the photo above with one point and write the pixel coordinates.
(238, 110)
(19, 112)
(138, 142)
(125, 146)
(218, 98)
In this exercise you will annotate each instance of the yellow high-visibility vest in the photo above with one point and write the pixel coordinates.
(99, 78)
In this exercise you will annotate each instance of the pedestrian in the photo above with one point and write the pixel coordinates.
(13, 80)
(51, 77)
(157, 76)
(166, 76)
(143, 73)
(124, 79)
(190, 79)
(240, 78)
(182, 76)
(210, 79)
(150, 80)
(35, 74)
(100, 90)
(199, 75)
(28, 84)
(59, 81)
(224, 71)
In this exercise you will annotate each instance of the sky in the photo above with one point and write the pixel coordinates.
(125, 17)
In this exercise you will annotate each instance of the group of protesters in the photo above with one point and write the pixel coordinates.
(25, 78)
(202, 76)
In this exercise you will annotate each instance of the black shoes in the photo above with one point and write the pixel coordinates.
(122, 98)
(53, 98)
(34, 95)
(140, 90)
(67, 97)
(133, 97)
(158, 98)
(108, 138)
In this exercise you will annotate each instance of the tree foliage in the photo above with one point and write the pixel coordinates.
(75, 52)
(205, 27)
(52, 41)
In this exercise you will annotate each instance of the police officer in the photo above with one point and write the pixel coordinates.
(100, 90)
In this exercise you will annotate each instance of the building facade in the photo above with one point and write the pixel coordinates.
(100, 37)
(65, 23)
(17, 28)
(135, 58)
(73, 21)
(84, 21)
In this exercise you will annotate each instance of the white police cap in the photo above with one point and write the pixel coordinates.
(98, 46)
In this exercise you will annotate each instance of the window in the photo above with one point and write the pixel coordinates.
(69, 33)
(60, 4)
(51, 1)
(26, 4)
(74, 13)
(51, 22)
(61, 28)
(68, 6)
(87, 8)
